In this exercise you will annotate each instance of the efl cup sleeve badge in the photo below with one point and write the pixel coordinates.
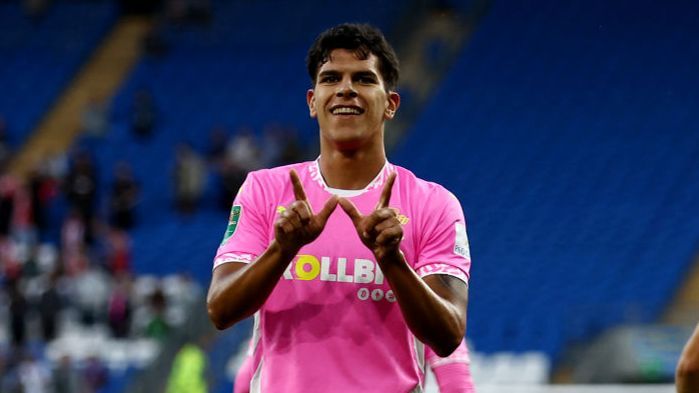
(461, 241)
(236, 211)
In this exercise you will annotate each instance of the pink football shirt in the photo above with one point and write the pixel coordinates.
(332, 320)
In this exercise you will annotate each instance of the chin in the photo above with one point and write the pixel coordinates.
(348, 143)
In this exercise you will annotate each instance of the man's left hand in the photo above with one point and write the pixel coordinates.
(380, 231)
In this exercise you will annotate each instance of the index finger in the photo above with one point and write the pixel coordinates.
(299, 193)
(386, 192)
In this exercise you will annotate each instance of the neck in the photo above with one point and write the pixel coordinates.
(351, 169)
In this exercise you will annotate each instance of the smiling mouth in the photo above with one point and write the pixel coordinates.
(346, 110)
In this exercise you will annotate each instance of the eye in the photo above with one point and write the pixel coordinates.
(329, 79)
(366, 79)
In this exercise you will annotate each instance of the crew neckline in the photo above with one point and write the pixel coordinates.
(375, 183)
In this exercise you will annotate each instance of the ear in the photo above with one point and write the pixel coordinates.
(392, 106)
(311, 101)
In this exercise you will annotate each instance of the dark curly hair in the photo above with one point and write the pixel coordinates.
(363, 40)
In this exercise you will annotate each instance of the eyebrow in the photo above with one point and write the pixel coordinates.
(328, 73)
(357, 73)
(366, 73)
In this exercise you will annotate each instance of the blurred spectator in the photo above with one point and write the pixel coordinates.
(118, 252)
(242, 156)
(94, 117)
(10, 265)
(5, 147)
(144, 114)
(124, 197)
(34, 375)
(90, 294)
(232, 177)
(9, 376)
(95, 374)
(8, 187)
(42, 190)
(217, 160)
(81, 190)
(158, 327)
(49, 307)
(119, 311)
(188, 371)
(73, 243)
(272, 145)
(18, 313)
(189, 178)
(66, 379)
(243, 152)
(280, 146)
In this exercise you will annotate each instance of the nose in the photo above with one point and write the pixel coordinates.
(346, 90)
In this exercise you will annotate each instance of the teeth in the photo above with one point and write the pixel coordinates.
(344, 110)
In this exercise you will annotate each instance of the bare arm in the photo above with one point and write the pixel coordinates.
(687, 374)
(238, 290)
(433, 308)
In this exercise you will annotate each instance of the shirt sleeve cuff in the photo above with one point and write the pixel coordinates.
(233, 257)
(442, 268)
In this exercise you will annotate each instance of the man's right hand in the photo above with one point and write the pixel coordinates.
(297, 225)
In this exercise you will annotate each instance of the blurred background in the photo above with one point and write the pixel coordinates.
(568, 130)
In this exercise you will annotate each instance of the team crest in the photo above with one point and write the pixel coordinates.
(402, 218)
(236, 210)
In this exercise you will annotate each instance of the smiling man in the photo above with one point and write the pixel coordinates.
(344, 299)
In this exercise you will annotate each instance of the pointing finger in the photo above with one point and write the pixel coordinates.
(351, 210)
(386, 192)
(299, 193)
(327, 210)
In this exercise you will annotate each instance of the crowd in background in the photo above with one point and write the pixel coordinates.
(66, 233)
(65, 247)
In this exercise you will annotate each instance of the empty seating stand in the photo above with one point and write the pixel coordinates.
(39, 56)
(569, 133)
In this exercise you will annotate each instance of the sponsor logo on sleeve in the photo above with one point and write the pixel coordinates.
(236, 211)
(461, 241)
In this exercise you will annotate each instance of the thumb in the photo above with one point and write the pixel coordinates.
(351, 210)
(328, 209)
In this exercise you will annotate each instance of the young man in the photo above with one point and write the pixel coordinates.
(344, 298)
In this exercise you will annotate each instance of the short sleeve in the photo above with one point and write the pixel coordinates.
(246, 235)
(444, 247)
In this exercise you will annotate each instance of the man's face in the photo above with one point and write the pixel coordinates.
(350, 100)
